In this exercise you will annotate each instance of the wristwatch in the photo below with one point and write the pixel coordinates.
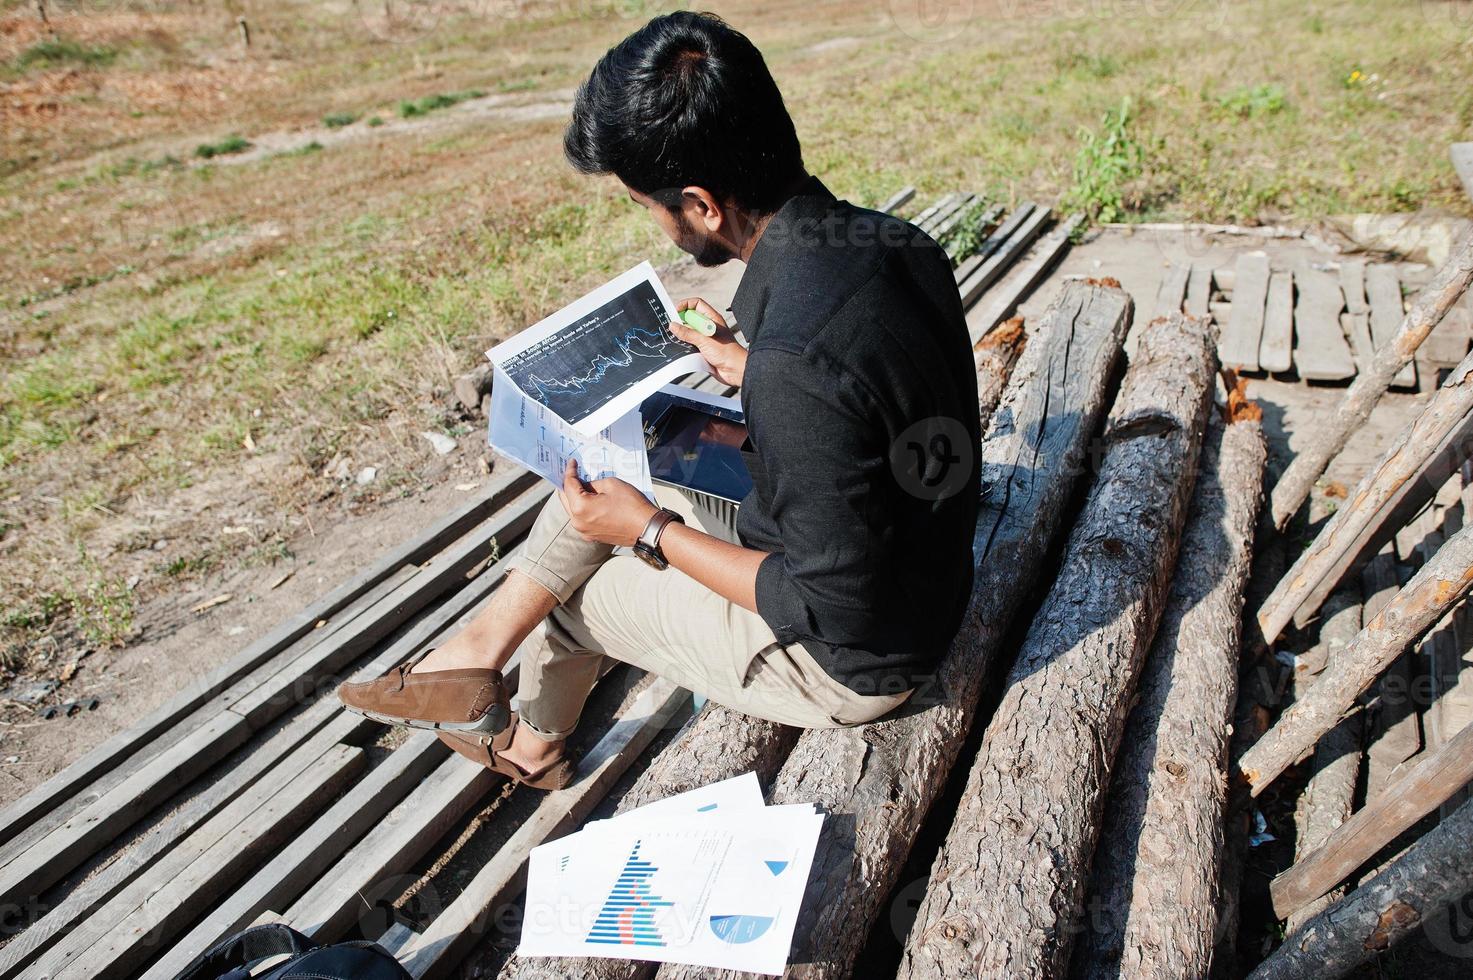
(648, 545)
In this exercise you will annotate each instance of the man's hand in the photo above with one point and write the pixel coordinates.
(607, 510)
(727, 357)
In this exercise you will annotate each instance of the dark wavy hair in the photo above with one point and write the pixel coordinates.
(687, 100)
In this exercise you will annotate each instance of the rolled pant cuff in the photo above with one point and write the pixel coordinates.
(543, 733)
(560, 587)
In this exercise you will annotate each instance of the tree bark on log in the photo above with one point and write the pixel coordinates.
(1434, 872)
(994, 356)
(1152, 910)
(717, 744)
(1329, 796)
(876, 782)
(1006, 887)
(1431, 593)
(1431, 305)
(720, 742)
(1345, 535)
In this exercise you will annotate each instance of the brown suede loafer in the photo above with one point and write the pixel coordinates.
(462, 700)
(486, 750)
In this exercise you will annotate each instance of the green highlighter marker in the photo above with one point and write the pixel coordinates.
(698, 322)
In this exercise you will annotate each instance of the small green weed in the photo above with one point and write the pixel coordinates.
(375, 120)
(1106, 161)
(966, 236)
(231, 144)
(337, 120)
(1250, 102)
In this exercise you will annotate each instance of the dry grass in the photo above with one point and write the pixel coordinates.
(185, 344)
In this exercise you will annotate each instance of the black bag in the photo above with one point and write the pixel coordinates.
(231, 959)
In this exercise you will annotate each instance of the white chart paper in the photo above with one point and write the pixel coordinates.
(595, 360)
(713, 890)
(532, 435)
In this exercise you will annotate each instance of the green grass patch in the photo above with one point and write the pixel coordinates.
(234, 143)
(337, 120)
(375, 120)
(59, 52)
(410, 108)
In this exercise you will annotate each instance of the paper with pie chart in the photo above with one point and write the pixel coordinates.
(713, 889)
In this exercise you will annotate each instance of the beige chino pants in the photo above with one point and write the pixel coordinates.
(665, 622)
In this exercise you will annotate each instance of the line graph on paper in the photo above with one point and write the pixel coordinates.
(587, 364)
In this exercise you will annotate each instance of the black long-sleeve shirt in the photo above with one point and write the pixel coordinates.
(861, 402)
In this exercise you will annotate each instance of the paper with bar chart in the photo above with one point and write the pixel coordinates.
(712, 889)
(595, 360)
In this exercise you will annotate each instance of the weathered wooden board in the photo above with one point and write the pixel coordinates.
(998, 262)
(1199, 291)
(1275, 349)
(1383, 295)
(1320, 350)
(106, 757)
(1005, 299)
(1171, 293)
(1244, 331)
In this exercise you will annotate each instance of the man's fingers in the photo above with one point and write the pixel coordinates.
(571, 484)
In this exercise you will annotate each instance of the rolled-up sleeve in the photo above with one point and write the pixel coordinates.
(819, 450)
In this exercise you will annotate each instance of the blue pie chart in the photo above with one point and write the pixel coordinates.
(737, 929)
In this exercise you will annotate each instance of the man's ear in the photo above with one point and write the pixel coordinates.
(704, 207)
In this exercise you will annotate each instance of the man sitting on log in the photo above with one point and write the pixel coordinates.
(851, 564)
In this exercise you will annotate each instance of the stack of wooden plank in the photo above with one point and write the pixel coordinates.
(1324, 324)
(253, 794)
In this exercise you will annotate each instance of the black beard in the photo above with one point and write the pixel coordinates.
(707, 252)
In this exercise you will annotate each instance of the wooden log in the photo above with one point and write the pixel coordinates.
(991, 270)
(1431, 593)
(1275, 348)
(1433, 779)
(1244, 330)
(1006, 886)
(1320, 350)
(1153, 890)
(1391, 355)
(436, 950)
(198, 693)
(1002, 302)
(1350, 530)
(1172, 291)
(926, 218)
(1434, 872)
(1329, 796)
